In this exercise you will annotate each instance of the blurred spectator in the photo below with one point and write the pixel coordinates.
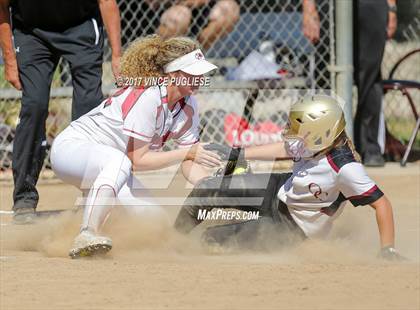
(141, 17)
(209, 19)
(43, 32)
(310, 21)
(374, 22)
(315, 27)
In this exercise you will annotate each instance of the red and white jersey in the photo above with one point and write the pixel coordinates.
(318, 189)
(142, 114)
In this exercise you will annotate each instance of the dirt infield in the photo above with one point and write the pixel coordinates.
(151, 267)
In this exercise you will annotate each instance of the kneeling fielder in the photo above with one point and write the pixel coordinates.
(98, 151)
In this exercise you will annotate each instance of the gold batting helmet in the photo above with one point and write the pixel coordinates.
(317, 120)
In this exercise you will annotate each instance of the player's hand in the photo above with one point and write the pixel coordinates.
(235, 157)
(392, 24)
(311, 25)
(390, 254)
(226, 152)
(11, 74)
(200, 155)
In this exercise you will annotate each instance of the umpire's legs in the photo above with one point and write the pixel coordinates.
(36, 63)
(83, 49)
(369, 48)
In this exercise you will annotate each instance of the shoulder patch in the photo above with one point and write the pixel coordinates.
(340, 156)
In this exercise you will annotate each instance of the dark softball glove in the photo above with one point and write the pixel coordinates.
(236, 163)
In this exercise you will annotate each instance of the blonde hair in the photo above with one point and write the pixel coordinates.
(341, 140)
(146, 57)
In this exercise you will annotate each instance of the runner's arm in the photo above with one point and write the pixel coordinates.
(271, 151)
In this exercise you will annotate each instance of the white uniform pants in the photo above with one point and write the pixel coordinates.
(104, 175)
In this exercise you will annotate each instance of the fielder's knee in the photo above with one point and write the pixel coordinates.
(114, 172)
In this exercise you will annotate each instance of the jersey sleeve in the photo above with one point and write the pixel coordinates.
(139, 111)
(191, 135)
(356, 185)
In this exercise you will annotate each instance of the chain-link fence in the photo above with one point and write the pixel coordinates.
(260, 48)
(399, 115)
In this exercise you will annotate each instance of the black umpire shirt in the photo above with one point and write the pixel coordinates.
(52, 15)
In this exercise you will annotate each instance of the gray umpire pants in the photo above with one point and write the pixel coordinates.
(38, 53)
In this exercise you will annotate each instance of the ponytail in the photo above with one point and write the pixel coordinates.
(147, 56)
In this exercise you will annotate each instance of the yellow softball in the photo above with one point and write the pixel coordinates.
(239, 170)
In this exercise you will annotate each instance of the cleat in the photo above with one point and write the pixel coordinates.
(23, 216)
(88, 244)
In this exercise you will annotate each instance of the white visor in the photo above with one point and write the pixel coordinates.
(192, 63)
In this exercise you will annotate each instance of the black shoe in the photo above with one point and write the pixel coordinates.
(374, 161)
(24, 216)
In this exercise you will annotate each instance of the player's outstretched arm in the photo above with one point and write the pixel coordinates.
(194, 172)
(143, 159)
(270, 152)
(385, 220)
